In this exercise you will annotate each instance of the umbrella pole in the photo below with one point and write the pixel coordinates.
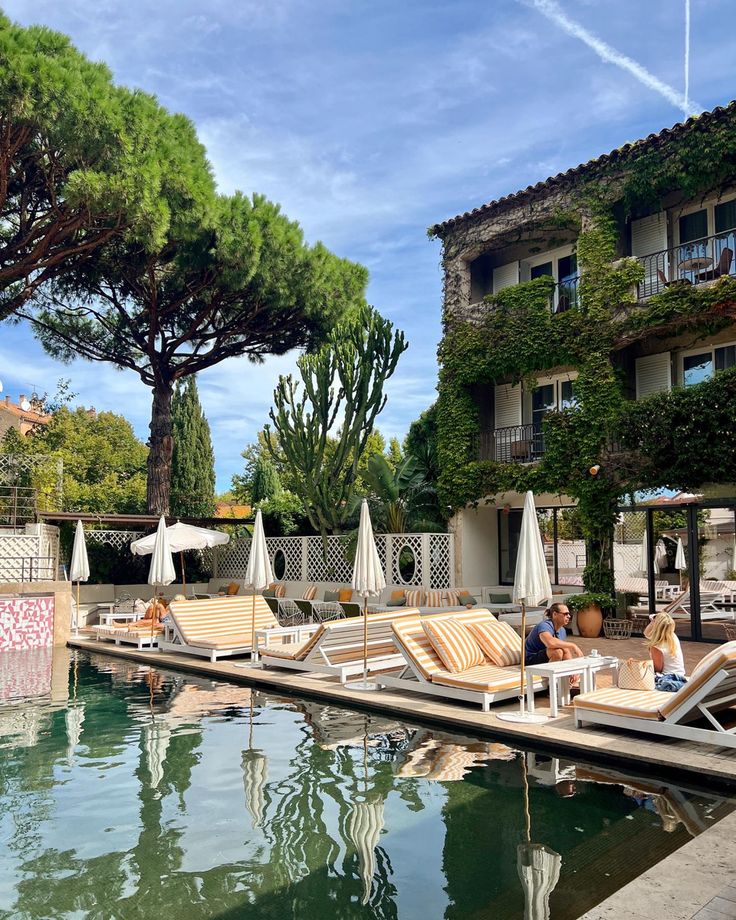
(253, 652)
(365, 639)
(527, 813)
(76, 613)
(183, 573)
(522, 669)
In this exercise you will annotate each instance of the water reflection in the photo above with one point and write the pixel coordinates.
(132, 792)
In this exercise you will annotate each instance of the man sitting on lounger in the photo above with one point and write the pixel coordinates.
(548, 640)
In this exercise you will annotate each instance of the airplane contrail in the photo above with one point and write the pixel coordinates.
(552, 10)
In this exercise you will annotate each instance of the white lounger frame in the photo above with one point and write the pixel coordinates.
(141, 639)
(337, 636)
(717, 693)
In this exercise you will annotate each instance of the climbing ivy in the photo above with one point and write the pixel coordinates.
(519, 336)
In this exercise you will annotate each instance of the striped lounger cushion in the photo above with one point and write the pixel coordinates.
(294, 651)
(454, 643)
(485, 678)
(501, 644)
(642, 704)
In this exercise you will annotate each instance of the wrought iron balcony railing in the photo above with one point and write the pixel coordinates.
(514, 444)
(696, 262)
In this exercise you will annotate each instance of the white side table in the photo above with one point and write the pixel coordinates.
(556, 671)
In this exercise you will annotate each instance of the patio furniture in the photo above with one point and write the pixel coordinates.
(334, 648)
(216, 628)
(710, 691)
(424, 672)
(317, 611)
(723, 267)
(617, 629)
(558, 674)
(141, 634)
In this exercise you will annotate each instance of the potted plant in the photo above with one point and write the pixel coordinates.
(589, 608)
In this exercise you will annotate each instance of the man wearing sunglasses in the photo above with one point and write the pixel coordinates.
(548, 640)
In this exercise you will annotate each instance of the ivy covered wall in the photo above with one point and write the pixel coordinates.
(678, 439)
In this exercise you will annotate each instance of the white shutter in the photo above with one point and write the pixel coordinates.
(653, 375)
(508, 405)
(649, 237)
(504, 276)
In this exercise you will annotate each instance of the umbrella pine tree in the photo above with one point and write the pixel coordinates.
(193, 460)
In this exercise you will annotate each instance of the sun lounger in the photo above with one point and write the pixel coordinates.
(334, 647)
(138, 633)
(710, 691)
(216, 628)
(424, 672)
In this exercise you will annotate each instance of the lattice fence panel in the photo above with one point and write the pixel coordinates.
(338, 566)
(118, 539)
(18, 553)
(40, 471)
(232, 559)
(406, 546)
(441, 569)
(291, 548)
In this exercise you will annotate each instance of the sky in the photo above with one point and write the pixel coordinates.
(369, 122)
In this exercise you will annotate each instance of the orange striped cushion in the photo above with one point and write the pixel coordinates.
(310, 592)
(279, 590)
(643, 704)
(485, 678)
(434, 599)
(451, 599)
(455, 644)
(415, 598)
(501, 644)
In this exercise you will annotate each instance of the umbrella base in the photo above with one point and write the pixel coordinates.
(361, 685)
(531, 718)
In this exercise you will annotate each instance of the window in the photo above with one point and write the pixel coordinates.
(555, 395)
(562, 265)
(706, 242)
(694, 226)
(697, 367)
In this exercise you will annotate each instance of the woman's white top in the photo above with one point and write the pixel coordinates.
(673, 664)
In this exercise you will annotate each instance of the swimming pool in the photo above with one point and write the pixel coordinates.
(127, 791)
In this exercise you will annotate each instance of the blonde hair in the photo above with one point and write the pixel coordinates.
(662, 633)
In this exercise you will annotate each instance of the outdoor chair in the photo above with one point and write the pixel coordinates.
(141, 633)
(334, 648)
(424, 671)
(723, 267)
(216, 628)
(710, 692)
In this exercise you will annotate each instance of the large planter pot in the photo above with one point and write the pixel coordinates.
(590, 621)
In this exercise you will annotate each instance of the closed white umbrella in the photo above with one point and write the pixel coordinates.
(368, 581)
(258, 574)
(182, 537)
(531, 586)
(680, 560)
(79, 570)
(162, 570)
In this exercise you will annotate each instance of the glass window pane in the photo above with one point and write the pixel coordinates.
(725, 216)
(538, 271)
(694, 226)
(697, 368)
(567, 399)
(567, 268)
(725, 357)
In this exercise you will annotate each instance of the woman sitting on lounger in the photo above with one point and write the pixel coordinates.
(666, 653)
(548, 640)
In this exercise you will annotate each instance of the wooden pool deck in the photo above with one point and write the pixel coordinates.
(686, 762)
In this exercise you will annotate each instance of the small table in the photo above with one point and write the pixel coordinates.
(555, 671)
(696, 264)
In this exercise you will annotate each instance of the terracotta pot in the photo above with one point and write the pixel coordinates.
(590, 621)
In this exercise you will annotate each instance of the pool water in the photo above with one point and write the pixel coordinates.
(132, 792)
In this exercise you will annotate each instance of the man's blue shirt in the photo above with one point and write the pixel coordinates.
(534, 644)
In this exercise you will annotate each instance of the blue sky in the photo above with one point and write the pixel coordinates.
(370, 121)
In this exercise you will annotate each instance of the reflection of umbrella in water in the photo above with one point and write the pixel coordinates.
(255, 775)
(157, 735)
(74, 718)
(435, 756)
(365, 826)
(181, 537)
(538, 866)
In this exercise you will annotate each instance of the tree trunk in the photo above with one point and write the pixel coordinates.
(161, 447)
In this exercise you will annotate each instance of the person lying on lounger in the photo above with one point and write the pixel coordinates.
(548, 640)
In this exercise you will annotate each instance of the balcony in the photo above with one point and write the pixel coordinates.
(696, 262)
(515, 444)
(566, 295)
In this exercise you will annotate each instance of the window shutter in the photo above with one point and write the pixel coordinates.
(508, 405)
(504, 276)
(649, 237)
(653, 375)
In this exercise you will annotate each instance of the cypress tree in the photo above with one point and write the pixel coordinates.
(193, 460)
(266, 482)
